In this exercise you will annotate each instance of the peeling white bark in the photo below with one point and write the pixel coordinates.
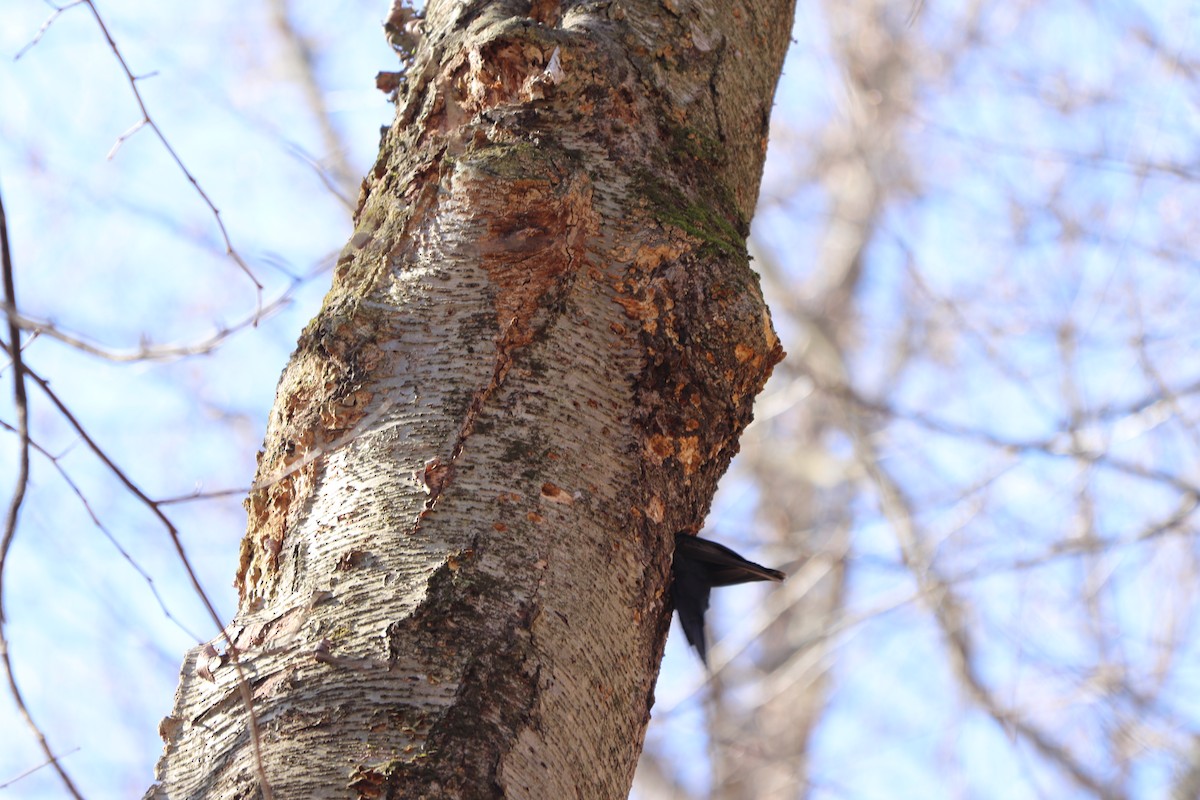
(537, 354)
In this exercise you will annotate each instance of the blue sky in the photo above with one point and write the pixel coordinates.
(1045, 250)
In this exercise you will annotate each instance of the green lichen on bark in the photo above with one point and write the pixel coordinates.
(707, 221)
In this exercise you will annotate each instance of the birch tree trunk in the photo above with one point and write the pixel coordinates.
(539, 349)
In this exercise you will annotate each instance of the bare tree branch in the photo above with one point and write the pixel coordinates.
(340, 176)
(21, 401)
(148, 121)
(155, 508)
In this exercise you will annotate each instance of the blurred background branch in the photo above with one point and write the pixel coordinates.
(978, 463)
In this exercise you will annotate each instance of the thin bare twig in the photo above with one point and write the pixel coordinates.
(301, 54)
(173, 532)
(316, 453)
(87, 507)
(152, 352)
(148, 122)
(21, 401)
(951, 616)
(1059, 446)
(32, 770)
(58, 10)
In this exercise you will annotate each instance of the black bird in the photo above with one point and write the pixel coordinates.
(699, 565)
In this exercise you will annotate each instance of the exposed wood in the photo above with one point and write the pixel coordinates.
(539, 349)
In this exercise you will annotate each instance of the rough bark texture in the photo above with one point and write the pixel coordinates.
(540, 346)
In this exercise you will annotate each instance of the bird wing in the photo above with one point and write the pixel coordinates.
(724, 566)
(690, 588)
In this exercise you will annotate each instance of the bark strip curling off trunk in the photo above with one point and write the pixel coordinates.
(540, 346)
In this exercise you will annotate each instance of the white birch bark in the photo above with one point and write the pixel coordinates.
(540, 346)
